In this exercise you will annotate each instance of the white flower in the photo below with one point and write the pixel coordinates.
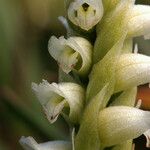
(118, 124)
(74, 53)
(30, 144)
(139, 23)
(85, 13)
(55, 97)
(132, 70)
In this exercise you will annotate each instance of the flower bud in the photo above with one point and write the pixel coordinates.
(30, 144)
(85, 13)
(56, 97)
(118, 124)
(74, 53)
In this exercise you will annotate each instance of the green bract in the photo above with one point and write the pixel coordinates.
(98, 77)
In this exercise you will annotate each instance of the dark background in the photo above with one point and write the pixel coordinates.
(25, 28)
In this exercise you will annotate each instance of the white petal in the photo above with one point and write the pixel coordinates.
(139, 23)
(54, 97)
(74, 53)
(121, 123)
(30, 144)
(85, 13)
(132, 70)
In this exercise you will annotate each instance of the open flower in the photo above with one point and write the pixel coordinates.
(74, 53)
(30, 144)
(124, 124)
(85, 13)
(56, 97)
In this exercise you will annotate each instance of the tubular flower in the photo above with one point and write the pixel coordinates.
(132, 70)
(85, 13)
(74, 53)
(30, 144)
(139, 23)
(124, 124)
(55, 97)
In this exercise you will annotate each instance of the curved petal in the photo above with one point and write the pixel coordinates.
(85, 13)
(124, 124)
(139, 23)
(55, 97)
(30, 144)
(132, 70)
(74, 53)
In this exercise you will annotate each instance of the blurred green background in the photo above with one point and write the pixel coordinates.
(25, 28)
